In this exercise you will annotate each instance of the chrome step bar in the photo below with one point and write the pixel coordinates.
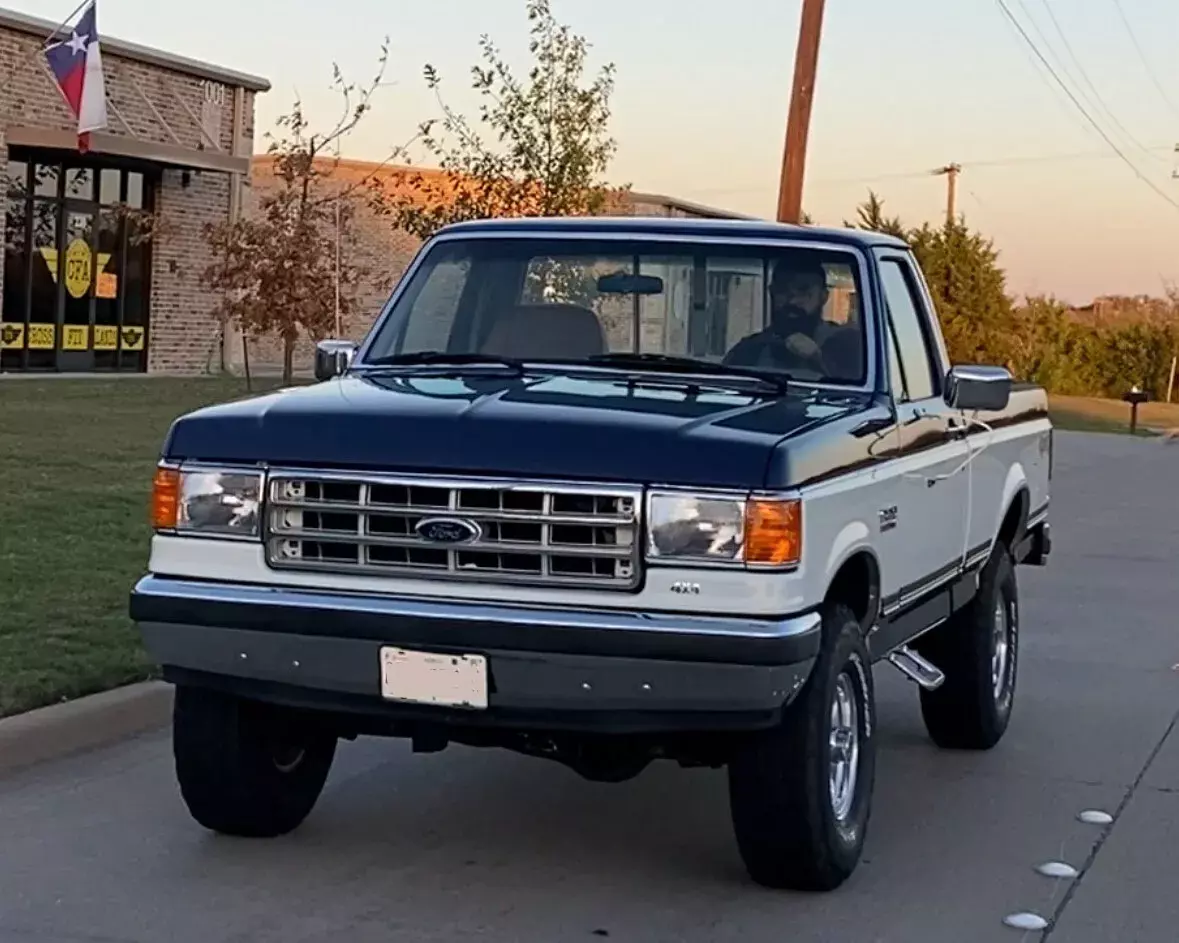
(927, 675)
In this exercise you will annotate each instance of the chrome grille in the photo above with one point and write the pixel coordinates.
(571, 535)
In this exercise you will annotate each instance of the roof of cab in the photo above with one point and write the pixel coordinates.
(654, 226)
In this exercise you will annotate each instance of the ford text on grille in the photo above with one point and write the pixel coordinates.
(494, 531)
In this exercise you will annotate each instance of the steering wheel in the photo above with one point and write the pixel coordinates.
(782, 355)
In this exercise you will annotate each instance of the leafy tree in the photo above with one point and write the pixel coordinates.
(962, 270)
(870, 215)
(540, 145)
(969, 290)
(276, 270)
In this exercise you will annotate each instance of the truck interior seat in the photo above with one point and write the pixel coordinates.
(556, 331)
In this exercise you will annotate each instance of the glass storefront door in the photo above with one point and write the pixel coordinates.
(76, 273)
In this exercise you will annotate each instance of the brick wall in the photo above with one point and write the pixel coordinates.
(184, 337)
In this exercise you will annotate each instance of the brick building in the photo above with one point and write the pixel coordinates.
(79, 289)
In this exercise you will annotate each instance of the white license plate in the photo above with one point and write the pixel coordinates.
(434, 678)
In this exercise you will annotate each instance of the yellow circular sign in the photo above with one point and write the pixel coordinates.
(79, 268)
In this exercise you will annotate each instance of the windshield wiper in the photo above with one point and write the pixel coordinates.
(438, 358)
(666, 362)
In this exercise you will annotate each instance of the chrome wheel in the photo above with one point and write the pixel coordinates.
(1000, 649)
(845, 747)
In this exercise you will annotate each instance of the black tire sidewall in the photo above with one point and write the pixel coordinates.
(225, 764)
(848, 654)
(779, 781)
(964, 713)
(999, 585)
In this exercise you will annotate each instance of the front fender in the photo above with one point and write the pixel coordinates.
(854, 537)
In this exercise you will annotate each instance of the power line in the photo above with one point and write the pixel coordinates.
(1167, 100)
(914, 174)
(1038, 65)
(1081, 108)
(1042, 158)
(1101, 103)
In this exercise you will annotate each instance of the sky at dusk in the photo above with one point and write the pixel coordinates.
(702, 89)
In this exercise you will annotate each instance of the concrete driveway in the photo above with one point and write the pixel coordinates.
(468, 845)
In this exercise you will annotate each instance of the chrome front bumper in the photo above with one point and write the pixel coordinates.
(546, 664)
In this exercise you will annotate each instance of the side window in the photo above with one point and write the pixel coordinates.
(905, 314)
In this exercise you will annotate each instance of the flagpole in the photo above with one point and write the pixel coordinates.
(48, 39)
(64, 23)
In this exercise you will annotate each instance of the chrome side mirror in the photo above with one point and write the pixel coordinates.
(333, 357)
(972, 387)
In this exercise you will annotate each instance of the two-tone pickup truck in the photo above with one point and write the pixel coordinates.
(606, 491)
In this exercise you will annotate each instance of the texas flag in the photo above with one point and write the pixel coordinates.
(76, 62)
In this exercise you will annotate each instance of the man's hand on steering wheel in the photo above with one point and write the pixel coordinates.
(805, 347)
(794, 351)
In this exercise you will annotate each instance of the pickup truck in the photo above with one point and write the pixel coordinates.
(606, 490)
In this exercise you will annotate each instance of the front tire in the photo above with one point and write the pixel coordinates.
(245, 768)
(800, 794)
(978, 649)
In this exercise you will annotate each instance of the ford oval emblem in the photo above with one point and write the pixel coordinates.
(448, 530)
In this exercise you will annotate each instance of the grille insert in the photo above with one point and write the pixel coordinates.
(579, 535)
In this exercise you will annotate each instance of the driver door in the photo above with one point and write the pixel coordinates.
(933, 485)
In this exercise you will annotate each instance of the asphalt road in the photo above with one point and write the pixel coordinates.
(476, 845)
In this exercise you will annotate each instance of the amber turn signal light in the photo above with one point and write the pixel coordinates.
(165, 498)
(773, 532)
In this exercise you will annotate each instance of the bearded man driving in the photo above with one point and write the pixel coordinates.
(798, 295)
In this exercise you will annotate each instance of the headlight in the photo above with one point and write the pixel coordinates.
(207, 501)
(685, 528)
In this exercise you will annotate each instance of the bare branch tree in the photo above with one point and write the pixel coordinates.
(277, 270)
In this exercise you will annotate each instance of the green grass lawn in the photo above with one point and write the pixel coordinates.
(1084, 414)
(76, 460)
(1080, 422)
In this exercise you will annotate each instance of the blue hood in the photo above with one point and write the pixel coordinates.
(597, 428)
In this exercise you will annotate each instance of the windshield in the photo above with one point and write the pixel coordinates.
(791, 309)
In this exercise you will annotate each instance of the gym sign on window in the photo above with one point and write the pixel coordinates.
(82, 267)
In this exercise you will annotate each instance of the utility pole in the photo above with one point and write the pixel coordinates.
(806, 64)
(951, 172)
(339, 323)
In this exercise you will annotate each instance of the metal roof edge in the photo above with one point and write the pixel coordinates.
(686, 206)
(36, 26)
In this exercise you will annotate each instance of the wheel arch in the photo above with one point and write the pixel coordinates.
(1015, 508)
(855, 581)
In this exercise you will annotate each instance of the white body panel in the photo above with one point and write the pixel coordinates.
(841, 516)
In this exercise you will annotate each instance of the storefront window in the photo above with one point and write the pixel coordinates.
(135, 191)
(18, 178)
(80, 184)
(45, 178)
(75, 277)
(41, 334)
(107, 285)
(16, 276)
(111, 182)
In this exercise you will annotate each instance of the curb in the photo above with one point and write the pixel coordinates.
(60, 730)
